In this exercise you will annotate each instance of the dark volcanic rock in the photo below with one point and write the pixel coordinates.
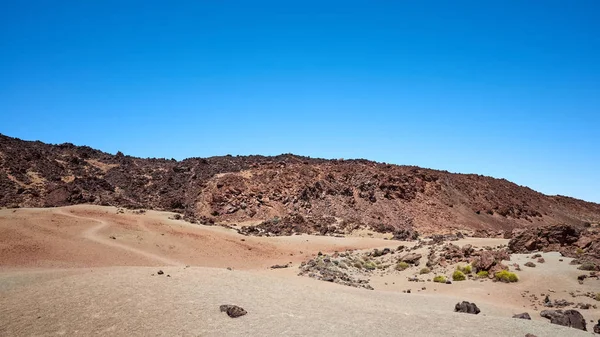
(522, 316)
(280, 266)
(570, 318)
(597, 327)
(233, 311)
(467, 307)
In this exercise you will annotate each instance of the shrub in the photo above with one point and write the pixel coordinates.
(424, 271)
(483, 274)
(579, 251)
(402, 265)
(506, 276)
(439, 279)
(466, 269)
(370, 265)
(597, 298)
(458, 276)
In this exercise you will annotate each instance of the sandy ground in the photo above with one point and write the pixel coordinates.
(62, 273)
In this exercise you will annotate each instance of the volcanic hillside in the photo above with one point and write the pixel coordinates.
(288, 187)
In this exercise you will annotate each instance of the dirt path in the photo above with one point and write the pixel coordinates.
(92, 234)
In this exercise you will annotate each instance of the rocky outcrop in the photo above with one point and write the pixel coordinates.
(569, 240)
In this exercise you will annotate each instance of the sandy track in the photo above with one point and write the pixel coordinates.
(80, 236)
(92, 234)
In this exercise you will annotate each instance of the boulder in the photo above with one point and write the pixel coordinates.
(597, 327)
(570, 318)
(467, 307)
(411, 258)
(485, 261)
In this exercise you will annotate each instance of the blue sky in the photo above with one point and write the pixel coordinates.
(509, 89)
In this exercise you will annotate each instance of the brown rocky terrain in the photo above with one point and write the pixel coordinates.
(324, 196)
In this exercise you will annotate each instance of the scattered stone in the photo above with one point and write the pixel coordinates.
(584, 306)
(160, 272)
(467, 307)
(233, 311)
(522, 316)
(570, 318)
(541, 260)
(412, 258)
(280, 266)
(530, 264)
(597, 327)
(112, 237)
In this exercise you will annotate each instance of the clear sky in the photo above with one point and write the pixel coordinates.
(509, 89)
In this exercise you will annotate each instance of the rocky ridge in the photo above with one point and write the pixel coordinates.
(330, 195)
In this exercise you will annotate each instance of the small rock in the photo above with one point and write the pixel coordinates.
(112, 237)
(233, 311)
(522, 316)
(530, 264)
(160, 272)
(279, 266)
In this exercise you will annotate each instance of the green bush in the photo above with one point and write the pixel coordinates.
(402, 265)
(424, 271)
(506, 276)
(439, 279)
(579, 251)
(597, 297)
(370, 265)
(482, 274)
(465, 270)
(458, 276)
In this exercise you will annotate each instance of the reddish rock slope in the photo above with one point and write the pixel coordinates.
(34, 174)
